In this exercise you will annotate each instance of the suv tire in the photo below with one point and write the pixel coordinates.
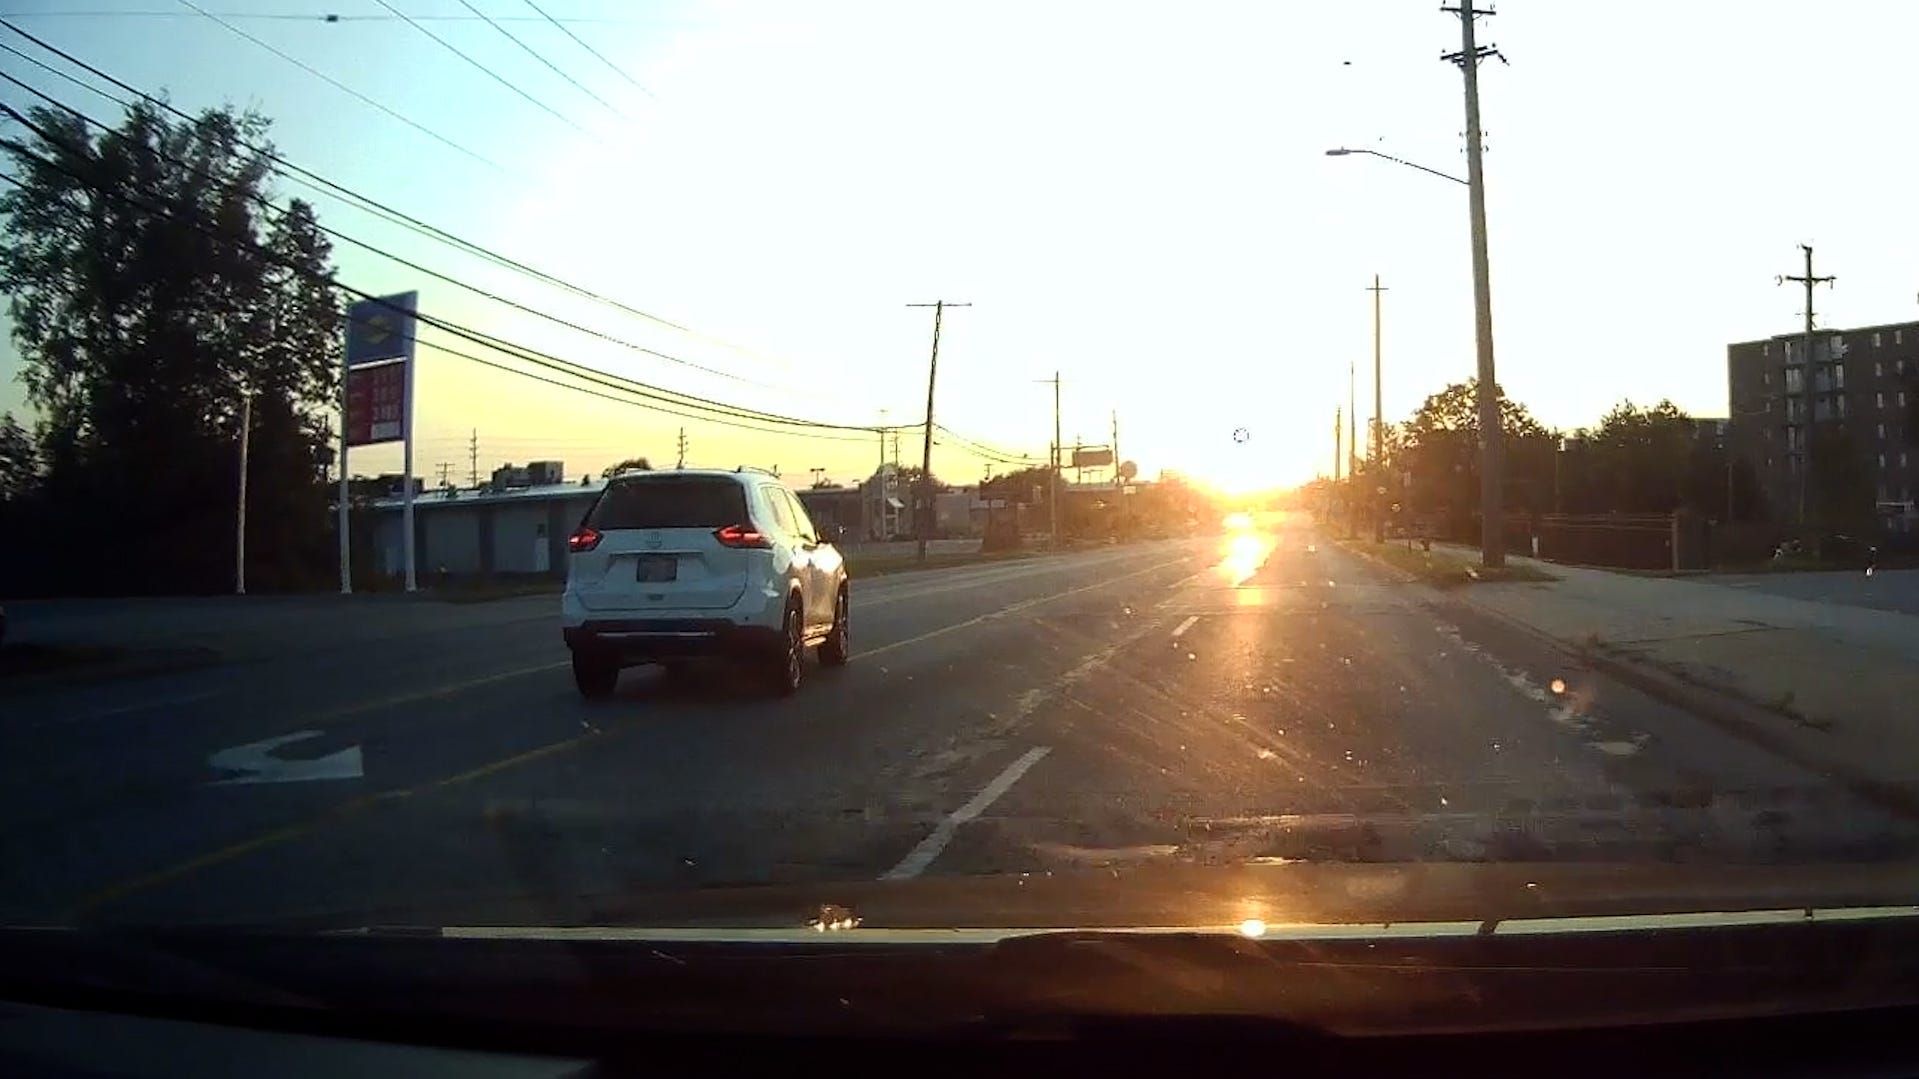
(786, 667)
(595, 676)
(837, 648)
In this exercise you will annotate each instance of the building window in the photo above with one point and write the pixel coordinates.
(1766, 349)
(1766, 377)
(1882, 432)
(1882, 460)
(1881, 398)
(1878, 369)
(1795, 380)
(1875, 339)
(1842, 405)
(1902, 398)
(1898, 337)
(1768, 434)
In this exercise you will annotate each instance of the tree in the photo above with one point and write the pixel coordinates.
(1441, 451)
(153, 291)
(633, 464)
(19, 461)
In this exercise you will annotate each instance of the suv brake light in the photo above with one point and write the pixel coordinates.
(584, 540)
(741, 536)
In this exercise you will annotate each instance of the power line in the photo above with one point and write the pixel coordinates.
(416, 267)
(318, 16)
(596, 53)
(494, 75)
(344, 88)
(314, 181)
(530, 51)
(656, 400)
(498, 344)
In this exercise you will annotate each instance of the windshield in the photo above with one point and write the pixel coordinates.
(670, 503)
(532, 463)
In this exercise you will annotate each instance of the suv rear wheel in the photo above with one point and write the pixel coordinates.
(594, 675)
(837, 648)
(787, 665)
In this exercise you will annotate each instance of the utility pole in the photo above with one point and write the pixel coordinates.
(1053, 495)
(922, 521)
(681, 462)
(1339, 447)
(1492, 438)
(240, 518)
(1377, 454)
(445, 469)
(1117, 482)
(1810, 378)
(1352, 451)
(473, 459)
(1339, 441)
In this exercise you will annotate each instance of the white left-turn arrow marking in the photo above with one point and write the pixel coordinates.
(257, 764)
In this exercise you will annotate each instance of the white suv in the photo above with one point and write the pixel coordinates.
(691, 563)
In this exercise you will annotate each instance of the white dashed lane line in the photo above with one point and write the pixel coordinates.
(1184, 626)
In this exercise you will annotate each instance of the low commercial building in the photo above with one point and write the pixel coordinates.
(485, 532)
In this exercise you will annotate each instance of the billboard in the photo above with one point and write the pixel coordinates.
(376, 404)
(381, 329)
(1091, 457)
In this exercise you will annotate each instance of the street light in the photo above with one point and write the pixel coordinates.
(1342, 151)
(1492, 535)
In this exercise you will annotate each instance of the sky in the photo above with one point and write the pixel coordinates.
(1134, 195)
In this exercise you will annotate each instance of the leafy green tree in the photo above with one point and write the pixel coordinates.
(19, 461)
(153, 290)
(1441, 452)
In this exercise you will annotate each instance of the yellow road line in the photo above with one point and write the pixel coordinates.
(119, 890)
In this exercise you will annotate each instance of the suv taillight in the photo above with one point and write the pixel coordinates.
(584, 540)
(741, 536)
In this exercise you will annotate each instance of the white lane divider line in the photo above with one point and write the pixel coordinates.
(921, 856)
(1184, 626)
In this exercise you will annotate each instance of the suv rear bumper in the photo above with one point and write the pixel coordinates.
(642, 640)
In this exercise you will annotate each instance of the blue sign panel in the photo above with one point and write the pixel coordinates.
(381, 329)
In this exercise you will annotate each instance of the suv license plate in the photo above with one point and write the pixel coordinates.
(657, 567)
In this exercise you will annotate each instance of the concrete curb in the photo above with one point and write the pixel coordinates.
(1726, 709)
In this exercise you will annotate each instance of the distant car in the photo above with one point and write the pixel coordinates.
(679, 565)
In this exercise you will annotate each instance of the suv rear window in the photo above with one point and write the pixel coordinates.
(670, 503)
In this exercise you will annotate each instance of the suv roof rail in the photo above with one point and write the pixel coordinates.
(756, 468)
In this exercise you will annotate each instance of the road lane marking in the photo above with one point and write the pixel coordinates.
(1014, 608)
(1184, 626)
(113, 893)
(126, 709)
(348, 711)
(921, 856)
(256, 763)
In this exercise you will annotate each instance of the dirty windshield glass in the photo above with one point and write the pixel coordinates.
(685, 463)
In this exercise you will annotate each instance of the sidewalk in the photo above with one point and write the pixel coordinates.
(1835, 686)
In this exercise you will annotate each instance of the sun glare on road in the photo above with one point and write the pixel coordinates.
(1245, 551)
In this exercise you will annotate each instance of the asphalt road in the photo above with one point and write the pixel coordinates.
(1886, 590)
(1181, 701)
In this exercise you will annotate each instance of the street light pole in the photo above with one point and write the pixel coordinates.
(1492, 517)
